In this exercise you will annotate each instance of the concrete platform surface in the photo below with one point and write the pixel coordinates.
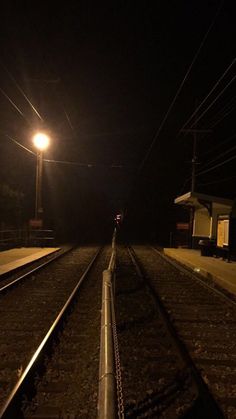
(220, 271)
(15, 258)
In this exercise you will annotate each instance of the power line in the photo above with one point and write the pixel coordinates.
(218, 165)
(220, 145)
(219, 156)
(19, 144)
(223, 115)
(212, 161)
(68, 119)
(48, 81)
(215, 167)
(54, 82)
(213, 102)
(223, 112)
(13, 104)
(71, 163)
(22, 92)
(87, 165)
(184, 184)
(211, 91)
(66, 162)
(218, 181)
(180, 88)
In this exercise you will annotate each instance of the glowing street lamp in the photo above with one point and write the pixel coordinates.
(41, 142)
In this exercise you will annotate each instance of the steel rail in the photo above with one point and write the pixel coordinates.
(11, 408)
(27, 274)
(205, 395)
(198, 276)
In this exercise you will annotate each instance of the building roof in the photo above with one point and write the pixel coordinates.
(194, 199)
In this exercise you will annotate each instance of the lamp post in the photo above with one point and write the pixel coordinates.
(41, 142)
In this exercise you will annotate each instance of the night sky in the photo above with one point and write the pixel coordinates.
(103, 79)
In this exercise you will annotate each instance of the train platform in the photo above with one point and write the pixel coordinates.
(12, 259)
(216, 269)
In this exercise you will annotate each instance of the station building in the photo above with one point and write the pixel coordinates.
(211, 218)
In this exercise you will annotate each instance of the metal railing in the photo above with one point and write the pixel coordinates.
(7, 237)
(41, 237)
(26, 237)
(107, 397)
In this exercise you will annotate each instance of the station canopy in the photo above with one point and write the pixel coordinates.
(196, 200)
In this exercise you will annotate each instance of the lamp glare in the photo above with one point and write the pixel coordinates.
(41, 141)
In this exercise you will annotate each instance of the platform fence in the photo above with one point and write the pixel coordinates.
(26, 238)
(110, 405)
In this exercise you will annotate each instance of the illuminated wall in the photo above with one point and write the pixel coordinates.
(205, 225)
(202, 223)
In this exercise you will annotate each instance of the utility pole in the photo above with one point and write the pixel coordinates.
(194, 157)
(38, 186)
(193, 175)
(41, 142)
(194, 161)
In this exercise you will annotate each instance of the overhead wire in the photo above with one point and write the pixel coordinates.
(212, 168)
(68, 118)
(219, 145)
(222, 115)
(74, 163)
(216, 166)
(66, 162)
(219, 115)
(175, 97)
(219, 156)
(213, 160)
(59, 98)
(12, 103)
(213, 102)
(184, 184)
(88, 165)
(21, 91)
(19, 144)
(218, 181)
(207, 96)
(180, 88)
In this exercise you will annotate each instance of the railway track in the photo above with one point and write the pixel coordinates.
(36, 339)
(204, 320)
(159, 379)
(176, 338)
(14, 277)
